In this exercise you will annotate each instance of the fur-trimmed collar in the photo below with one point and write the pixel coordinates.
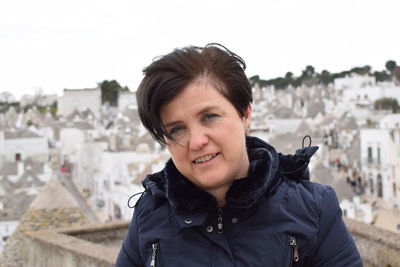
(263, 176)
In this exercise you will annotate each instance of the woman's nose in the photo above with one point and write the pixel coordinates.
(198, 140)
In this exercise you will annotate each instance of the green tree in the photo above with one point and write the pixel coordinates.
(361, 70)
(390, 65)
(308, 73)
(326, 77)
(387, 103)
(381, 76)
(109, 92)
(254, 80)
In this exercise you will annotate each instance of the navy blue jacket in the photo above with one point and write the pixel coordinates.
(273, 217)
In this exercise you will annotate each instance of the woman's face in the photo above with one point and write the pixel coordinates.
(210, 147)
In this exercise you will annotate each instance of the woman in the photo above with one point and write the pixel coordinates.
(225, 198)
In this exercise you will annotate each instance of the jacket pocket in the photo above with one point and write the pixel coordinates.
(155, 260)
(292, 254)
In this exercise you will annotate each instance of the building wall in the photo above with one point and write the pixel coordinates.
(125, 99)
(34, 147)
(80, 100)
(381, 163)
(70, 139)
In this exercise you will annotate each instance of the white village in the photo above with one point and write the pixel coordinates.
(78, 167)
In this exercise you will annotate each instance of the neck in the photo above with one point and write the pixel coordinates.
(219, 194)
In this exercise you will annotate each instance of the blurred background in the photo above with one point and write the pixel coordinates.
(72, 148)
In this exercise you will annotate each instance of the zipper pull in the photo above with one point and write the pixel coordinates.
(293, 244)
(220, 222)
(153, 255)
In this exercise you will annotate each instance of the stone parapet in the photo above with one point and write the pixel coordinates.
(38, 220)
(89, 246)
(98, 245)
(377, 247)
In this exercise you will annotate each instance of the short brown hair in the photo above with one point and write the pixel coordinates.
(168, 75)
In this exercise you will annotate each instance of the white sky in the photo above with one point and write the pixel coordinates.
(77, 43)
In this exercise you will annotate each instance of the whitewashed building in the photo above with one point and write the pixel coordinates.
(364, 89)
(110, 177)
(72, 135)
(22, 144)
(126, 99)
(380, 155)
(80, 100)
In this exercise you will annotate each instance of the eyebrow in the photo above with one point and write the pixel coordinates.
(202, 111)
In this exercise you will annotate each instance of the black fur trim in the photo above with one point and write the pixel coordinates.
(264, 174)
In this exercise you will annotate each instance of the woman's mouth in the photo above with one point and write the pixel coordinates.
(205, 158)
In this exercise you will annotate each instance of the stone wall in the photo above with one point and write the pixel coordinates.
(89, 246)
(99, 245)
(38, 220)
(377, 247)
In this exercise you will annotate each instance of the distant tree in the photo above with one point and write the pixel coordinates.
(381, 76)
(361, 70)
(308, 73)
(109, 92)
(53, 108)
(289, 75)
(254, 80)
(387, 103)
(390, 65)
(6, 97)
(325, 77)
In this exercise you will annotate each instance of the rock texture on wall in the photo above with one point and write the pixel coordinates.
(53, 208)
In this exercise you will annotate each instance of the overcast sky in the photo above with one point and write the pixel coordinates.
(76, 43)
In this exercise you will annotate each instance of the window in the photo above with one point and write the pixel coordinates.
(369, 154)
(394, 190)
(380, 186)
(379, 156)
(17, 156)
(371, 183)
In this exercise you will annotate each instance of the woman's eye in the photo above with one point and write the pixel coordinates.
(176, 130)
(210, 116)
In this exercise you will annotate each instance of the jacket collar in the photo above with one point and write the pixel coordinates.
(263, 176)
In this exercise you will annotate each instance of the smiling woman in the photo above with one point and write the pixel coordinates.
(225, 198)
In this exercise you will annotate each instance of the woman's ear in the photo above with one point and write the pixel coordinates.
(247, 117)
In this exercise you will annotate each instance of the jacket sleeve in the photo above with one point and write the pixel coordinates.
(129, 254)
(335, 245)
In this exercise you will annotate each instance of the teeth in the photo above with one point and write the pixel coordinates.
(205, 158)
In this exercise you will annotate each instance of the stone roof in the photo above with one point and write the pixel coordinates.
(132, 114)
(322, 175)
(314, 107)
(303, 129)
(48, 120)
(282, 112)
(54, 207)
(15, 205)
(29, 179)
(84, 89)
(20, 134)
(82, 115)
(354, 152)
(82, 125)
(9, 168)
(6, 184)
(53, 196)
(286, 143)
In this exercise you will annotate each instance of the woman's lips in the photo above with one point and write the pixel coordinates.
(205, 158)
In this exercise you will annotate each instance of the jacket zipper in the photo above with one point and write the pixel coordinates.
(293, 244)
(220, 224)
(153, 255)
(292, 254)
